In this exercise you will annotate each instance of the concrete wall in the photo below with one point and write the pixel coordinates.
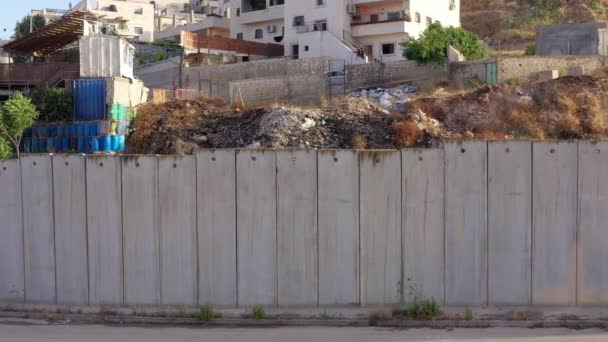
(162, 75)
(526, 67)
(474, 223)
(569, 39)
(377, 74)
(293, 89)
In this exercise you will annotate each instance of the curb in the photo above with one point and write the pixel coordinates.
(93, 319)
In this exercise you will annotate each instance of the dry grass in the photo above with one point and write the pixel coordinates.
(524, 123)
(381, 314)
(568, 126)
(595, 119)
(359, 142)
(407, 133)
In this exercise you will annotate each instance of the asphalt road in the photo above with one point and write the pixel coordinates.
(63, 333)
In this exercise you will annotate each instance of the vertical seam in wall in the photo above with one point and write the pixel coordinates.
(51, 158)
(445, 205)
(401, 244)
(122, 230)
(23, 244)
(160, 233)
(276, 225)
(236, 226)
(86, 225)
(361, 303)
(531, 236)
(196, 247)
(158, 293)
(316, 152)
(577, 227)
(487, 218)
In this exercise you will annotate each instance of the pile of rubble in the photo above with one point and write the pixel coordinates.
(389, 98)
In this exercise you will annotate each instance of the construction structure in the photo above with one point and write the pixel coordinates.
(584, 39)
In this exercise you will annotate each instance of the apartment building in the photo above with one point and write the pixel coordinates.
(357, 31)
(143, 19)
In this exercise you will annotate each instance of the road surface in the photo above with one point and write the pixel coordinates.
(63, 333)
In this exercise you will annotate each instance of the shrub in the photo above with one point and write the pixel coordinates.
(423, 310)
(205, 313)
(54, 104)
(432, 45)
(258, 312)
(407, 133)
(16, 115)
(530, 50)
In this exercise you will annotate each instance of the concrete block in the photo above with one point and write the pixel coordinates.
(423, 224)
(592, 234)
(39, 234)
(297, 234)
(578, 70)
(12, 281)
(554, 195)
(70, 211)
(177, 179)
(141, 229)
(105, 240)
(509, 223)
(338, 187)
(256, 228)
(380, 207)
(548, 75)
(216, 193)
(466, 223)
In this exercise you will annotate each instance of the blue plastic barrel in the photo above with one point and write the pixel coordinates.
(42, 145)
(93, 144)
(43, 132)
(121, 143)
(106, 143)
(35, 145)
(65, 144)
(92, 128)
(80, 129)
(82, 145)
(50, 145)
(26, 145)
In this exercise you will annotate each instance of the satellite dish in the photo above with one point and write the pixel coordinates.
(104, 30)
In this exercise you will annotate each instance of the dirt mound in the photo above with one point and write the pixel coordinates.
(182, 127)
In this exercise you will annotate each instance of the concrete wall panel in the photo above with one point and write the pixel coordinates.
(466, 223)
(39, 235)
(380, 207)
(104, 221)
(141, 229)
(12, 282)
(423, 224)
(338, 187)
(216, 193)
(70, 210)
(509, 222)
(256, 228)
(177, 179)
(593, 219)
(554, 194)
(297, 234)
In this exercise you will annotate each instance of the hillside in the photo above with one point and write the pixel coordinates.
(511, 24)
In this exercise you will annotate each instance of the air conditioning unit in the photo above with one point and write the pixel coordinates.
(271, 28)
(351, 8)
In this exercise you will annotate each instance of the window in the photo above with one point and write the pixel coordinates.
(418, 17)
(429, 21)
(259, 34)
(277, 2)
(139, 30)
(306, 48)
(139, 11)
(298, 21)
(320, 25)
(239, 36)
(321, 2)
(388, 49)
(238, 12)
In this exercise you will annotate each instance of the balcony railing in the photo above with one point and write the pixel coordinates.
(382, 17)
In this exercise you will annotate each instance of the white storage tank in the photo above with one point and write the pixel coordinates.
(106, 56)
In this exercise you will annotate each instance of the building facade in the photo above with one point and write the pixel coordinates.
(356, 31)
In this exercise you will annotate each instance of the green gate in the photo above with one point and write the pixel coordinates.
(491, 74)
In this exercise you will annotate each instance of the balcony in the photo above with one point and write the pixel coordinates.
(382, 17)
(261, 16)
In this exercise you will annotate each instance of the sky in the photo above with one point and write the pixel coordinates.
(14, 10)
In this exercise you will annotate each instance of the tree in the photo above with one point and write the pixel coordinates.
(23, 27)
(433, 44)
(16, 115)
(54, 104)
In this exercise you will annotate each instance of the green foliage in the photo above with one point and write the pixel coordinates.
(205, 313)
(161, 56)
(535, 11)
(423, 310)
(530, 50)
(324, 316)
(6, 150)
(432, 45)
(23, 27)
(16, 115)
(597, 6)
(54, 104)
(258, 312)
(468, 315)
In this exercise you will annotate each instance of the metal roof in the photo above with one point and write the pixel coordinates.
(51, 37)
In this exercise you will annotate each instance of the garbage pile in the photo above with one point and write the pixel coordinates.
(394, 98)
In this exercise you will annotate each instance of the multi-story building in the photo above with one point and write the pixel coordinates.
(351, 30)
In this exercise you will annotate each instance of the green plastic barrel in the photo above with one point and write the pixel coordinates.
(117, 112)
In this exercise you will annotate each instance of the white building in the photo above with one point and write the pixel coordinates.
(339, 29)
